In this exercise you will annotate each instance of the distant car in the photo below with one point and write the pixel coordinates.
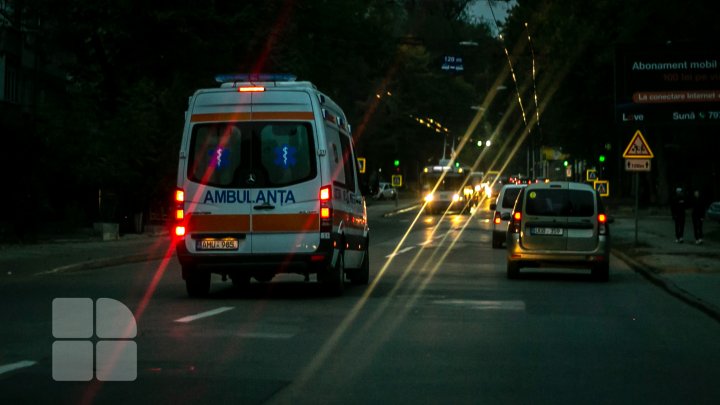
(559, 224)
(713, 211)
(493, 189)
(385, 190)
(503, 208)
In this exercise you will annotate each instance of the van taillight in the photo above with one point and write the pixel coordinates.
(325, 209)
(602, 224)
(180, 212)
(497, 219)
(515, 223)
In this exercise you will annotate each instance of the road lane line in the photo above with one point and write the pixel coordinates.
(14, 366)
(485, 304)
(266, 335)
(403, 250)
(205, 314)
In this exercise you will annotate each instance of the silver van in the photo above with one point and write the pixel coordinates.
(559, 224)
(503, 207)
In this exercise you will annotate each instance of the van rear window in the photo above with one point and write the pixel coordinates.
(560, 203)
(251, 155)
(510, 196)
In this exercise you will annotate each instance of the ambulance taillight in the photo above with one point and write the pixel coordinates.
(325, 209)
(180, 212)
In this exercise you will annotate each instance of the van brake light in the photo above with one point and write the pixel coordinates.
(602, 224)
(179, 195)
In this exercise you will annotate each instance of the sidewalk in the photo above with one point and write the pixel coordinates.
(687, 271)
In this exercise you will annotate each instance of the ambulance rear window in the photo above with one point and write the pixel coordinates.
(252, 155)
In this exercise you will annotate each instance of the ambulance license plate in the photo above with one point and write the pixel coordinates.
(217, 244)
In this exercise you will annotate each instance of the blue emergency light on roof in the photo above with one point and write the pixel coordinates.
(255, 77)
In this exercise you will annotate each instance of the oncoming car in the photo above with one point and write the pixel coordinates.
(503, 208)
(267, 183)
(559, 224)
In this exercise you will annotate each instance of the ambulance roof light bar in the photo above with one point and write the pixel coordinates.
(255, 77)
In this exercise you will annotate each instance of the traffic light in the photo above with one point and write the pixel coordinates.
(565, 163)
(457, 164)
(601, 158)
(396, 163)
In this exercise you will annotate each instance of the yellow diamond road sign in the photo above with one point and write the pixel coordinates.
(361, 164)
(396, 180)
(638, 148)
(602, 187)
(591, 175)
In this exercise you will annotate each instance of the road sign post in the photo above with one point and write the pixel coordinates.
(637, 159)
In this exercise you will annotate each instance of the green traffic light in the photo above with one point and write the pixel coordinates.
(457, 164)
(601, 158)
(565, 163)
(396, 163)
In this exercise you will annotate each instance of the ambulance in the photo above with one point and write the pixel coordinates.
(268, 183)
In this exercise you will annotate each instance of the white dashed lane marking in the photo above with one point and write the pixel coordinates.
(485, 304)
(403, 250)
(14, 366)
(205, 314)
(409, 248)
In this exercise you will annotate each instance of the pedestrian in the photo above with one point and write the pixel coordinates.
(698, 215)
(677, 209)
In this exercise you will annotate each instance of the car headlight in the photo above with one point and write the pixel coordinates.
(478, 188)
(467, 191)
(429, 197)
(456, 197)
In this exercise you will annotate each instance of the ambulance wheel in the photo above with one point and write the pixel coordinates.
(361, 275)
(333, 277)
(240, 281)
(197, 282)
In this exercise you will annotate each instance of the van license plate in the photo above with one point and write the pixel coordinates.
(217, 244)
(546, 231)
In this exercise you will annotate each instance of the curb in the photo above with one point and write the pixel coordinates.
(652, 274)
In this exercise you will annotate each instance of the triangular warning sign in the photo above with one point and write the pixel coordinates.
(638, 148)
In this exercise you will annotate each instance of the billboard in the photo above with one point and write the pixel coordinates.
(672, 83)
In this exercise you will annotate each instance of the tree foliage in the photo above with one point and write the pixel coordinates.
(117, 76)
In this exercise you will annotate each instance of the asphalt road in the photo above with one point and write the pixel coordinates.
(439, 323)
